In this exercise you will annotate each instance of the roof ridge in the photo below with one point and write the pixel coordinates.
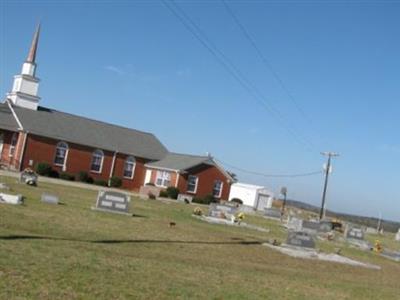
(95, 120)
(192, 155)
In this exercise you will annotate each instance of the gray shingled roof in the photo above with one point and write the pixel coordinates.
(7, 120)
(180, 162)
(80, 130)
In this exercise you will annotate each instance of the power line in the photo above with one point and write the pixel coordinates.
(228, 65)
(266, 62)
(269, 175)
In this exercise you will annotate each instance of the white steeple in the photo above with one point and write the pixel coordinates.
(25, 88)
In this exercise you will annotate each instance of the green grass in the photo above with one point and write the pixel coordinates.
(71, 252)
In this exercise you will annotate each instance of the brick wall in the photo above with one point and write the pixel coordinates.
(7, 161)
(40, 149)
(206, 174)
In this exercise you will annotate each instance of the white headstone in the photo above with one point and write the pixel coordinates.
(397, 238)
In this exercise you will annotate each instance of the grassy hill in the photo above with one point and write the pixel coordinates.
(71, 252)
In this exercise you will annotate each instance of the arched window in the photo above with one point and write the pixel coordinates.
(129, 167)
(97, 161)
(61, 154)
(13, 144)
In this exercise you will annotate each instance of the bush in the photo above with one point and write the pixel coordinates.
(204, 200)
(163, 194)
(43, 169)
(54, 174)
(115, 181)
(237, 200)
(67, 176)
(151, 196)
(172, 192)
(84, 177)
(100, 182)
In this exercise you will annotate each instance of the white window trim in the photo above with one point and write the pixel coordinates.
(64, 165)
(133, 168)
(101, 163)
(195, 185)
(1, 143)
(162, 178)
(11, 150)
(220, 191)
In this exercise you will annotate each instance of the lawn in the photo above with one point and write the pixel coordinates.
(71, 252)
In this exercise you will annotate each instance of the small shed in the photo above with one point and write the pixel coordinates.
(255, 196)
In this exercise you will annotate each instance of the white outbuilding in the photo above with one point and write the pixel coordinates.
(255, 196)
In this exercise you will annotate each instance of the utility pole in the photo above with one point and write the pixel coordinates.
(328, 168)
(284, 194)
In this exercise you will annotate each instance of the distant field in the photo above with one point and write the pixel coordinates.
(71, 252)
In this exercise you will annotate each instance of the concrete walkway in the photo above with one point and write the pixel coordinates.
(70, 183)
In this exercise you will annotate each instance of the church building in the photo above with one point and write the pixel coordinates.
(31, 134)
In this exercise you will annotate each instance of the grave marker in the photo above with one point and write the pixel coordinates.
(354, 233)
(222, 211)
(29, 177)
(111, 201)
(272, 213)
(49, 198)
(300, 239)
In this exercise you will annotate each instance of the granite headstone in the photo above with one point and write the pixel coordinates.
(222, 211)
(113, 202)
(300, 239)
(273, 213)
(49, 198)
(28, 177)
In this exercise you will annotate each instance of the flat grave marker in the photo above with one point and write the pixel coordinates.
(111, 201)
(49, 198)
(300, 239)
(273, 213)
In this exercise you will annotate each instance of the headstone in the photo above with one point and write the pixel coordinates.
(391, 255)
(222, 211)
(4, 186)
(273, 213)
(185, 198)
(29, 177)
(294, 223)
(315, 227)
(11, 199)
(113, 202)
(300, 239)
(48, 198)
(354, 233)
(397, 237)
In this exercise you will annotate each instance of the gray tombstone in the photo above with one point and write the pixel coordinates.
(28, 177)
(391, 255)
(49, 198)
(222, 211)
(113, 202)
(354, 233)
(185, 198)
(300, 239)
(272, 213)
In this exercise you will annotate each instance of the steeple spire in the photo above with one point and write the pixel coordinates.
(32, 52)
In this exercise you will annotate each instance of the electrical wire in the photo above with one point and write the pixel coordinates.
(235, 72)
(268, 175)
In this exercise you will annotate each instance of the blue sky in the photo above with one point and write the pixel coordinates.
(135, 64)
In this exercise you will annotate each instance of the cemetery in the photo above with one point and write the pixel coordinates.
(72, 251)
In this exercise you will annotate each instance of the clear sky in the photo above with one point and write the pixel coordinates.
(135, 64)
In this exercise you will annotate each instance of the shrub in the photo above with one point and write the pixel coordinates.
(67, 176)
(43, 169)
(237, 200)
(172, 192)
(54, 174)
(151, 196)
(115, 181)
(163, 194)
(84, 177)
(204, 200)
(100, 182)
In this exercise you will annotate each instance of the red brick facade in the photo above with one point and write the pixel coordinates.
(206, 177)
(40, 149)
